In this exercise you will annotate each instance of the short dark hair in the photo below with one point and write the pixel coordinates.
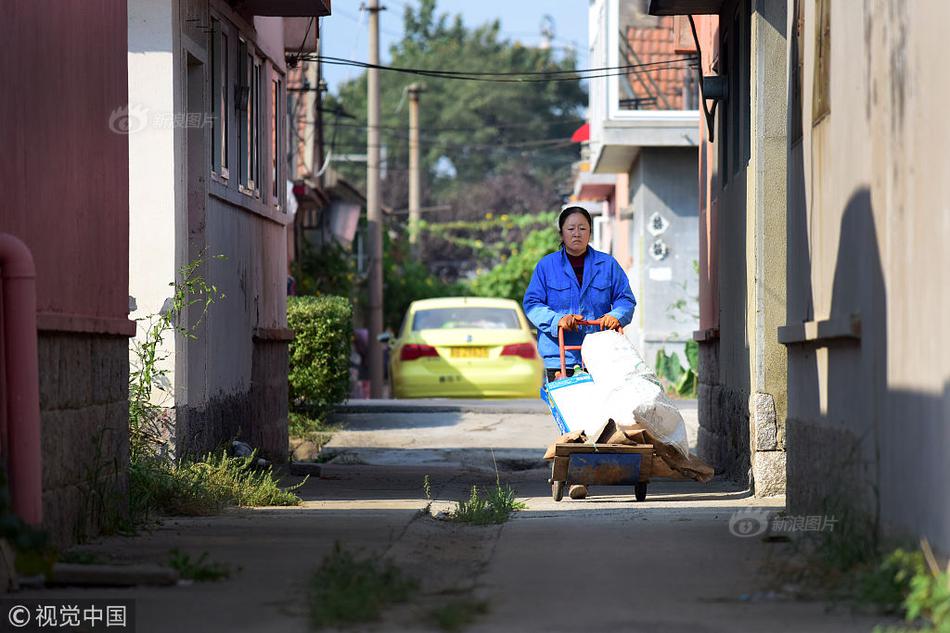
(567, 212)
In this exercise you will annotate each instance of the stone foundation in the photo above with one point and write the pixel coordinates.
(768, 443)
(723, 437)
(84, 410)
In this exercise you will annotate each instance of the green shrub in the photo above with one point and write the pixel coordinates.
(320, 352)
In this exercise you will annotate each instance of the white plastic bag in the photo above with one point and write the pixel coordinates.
(630, 390)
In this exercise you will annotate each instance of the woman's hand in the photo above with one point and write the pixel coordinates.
(610, 322)
(569, 321)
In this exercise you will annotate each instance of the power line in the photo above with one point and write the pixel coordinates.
(499, 126)
(343, 61)
(549, 143)
(520, 76)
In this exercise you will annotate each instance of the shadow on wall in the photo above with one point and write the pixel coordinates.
(870, 451)
(833, 444)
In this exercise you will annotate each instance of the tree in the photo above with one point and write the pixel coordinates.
(472, 131)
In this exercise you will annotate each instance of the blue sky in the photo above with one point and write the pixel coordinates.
(345, 31)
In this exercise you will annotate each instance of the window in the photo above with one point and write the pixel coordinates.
(219, 99)
(248, 100)
(466, 318)
(821, 102)
(275, 132)
(255, 126)
(735, 61)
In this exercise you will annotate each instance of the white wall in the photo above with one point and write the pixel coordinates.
(152, 178)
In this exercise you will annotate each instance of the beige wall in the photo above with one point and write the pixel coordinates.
(869, 223)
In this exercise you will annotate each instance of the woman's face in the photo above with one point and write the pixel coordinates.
(576, 234)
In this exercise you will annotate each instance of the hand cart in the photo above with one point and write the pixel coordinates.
(592, 464)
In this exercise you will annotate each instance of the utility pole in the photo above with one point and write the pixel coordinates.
(374, 214)
(415, 176)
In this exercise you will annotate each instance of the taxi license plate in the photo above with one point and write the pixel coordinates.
(469, 352)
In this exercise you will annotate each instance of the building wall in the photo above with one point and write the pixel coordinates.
(743, 366)
(766, 245)
(154, 184)
(724, 370)
(662, 182)
(66, 177)
(869, 398)
(229, 379)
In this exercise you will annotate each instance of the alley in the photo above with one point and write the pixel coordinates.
(605, 563)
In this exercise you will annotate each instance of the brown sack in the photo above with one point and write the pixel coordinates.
(574, 437)
(692, 466)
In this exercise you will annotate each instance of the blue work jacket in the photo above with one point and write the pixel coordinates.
(554, 292)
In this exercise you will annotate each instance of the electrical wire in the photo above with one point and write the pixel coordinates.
(351, 62)
(536, 144)
(499, 126)
(303, 42)
(520, 76)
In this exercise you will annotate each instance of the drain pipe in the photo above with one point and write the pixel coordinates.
(22, 442)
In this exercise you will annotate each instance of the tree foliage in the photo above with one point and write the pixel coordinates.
(470, 129)
(510, 278)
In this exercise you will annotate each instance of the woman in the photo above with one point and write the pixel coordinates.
(576, 283)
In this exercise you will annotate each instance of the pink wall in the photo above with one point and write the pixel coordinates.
(63, 172)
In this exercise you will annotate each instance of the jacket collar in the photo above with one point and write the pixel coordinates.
(591, 266)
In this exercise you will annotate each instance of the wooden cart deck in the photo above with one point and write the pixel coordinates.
(602, 465)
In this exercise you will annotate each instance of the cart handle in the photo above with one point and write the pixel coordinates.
(564, 348)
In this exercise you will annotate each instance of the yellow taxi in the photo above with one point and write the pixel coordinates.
(465, 347)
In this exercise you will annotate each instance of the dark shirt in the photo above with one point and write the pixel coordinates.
(577, 263)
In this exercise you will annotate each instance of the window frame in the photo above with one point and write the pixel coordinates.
(276, 168)
(238, 80)
(220, 80)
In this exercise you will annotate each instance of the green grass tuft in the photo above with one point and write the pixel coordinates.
(495, 508)
(347, 589)
(205, 486)
(198, 569)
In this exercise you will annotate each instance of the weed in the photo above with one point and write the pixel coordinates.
(886, 585)
(457, 615)
(924, 590)
(347, 589)
(198, 569)
(427, 487)
(497, 507)
(148, 417)
(207, 485)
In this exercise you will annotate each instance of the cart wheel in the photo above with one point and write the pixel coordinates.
(557, 490)
(640, 490)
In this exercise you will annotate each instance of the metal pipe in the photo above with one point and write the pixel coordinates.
(22, 441)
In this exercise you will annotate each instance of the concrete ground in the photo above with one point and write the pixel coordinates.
(606, 563)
